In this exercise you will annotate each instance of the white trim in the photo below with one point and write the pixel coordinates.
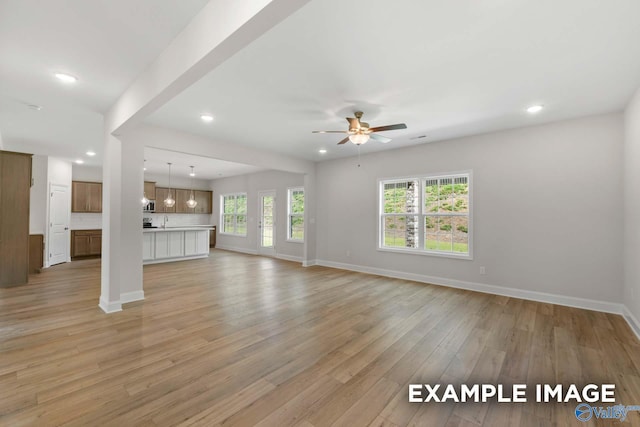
(110, 307)
(604, 306)
(131, 296)
(309, 263)
(236, 249)
(289, 257)
(633, 322)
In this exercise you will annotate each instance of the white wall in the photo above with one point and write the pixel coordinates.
(162, 180)
(86, 173)
(546, 212)
(252, 184)
(38, 195)
(631, 209)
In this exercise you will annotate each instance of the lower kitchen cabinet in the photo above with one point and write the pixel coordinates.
(86, 243)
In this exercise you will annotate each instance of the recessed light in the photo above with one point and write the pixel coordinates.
(66, 78)
(206, 118)
(91, 153)
(535, 109)
(322, 151)
(79, 161)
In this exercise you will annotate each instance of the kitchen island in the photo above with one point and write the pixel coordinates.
(174, 244)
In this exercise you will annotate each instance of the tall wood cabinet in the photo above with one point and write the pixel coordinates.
(86, 197)
(15, 185)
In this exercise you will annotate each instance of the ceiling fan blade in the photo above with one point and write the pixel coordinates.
(379, 138)
(389, 127)
(329, 131)
(353, 123)
(343, 141)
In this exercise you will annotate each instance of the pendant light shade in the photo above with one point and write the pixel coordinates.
(192, 203)
(169, 202)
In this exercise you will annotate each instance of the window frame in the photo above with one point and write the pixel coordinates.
(290, 191)
(235, 215)
(421, 214)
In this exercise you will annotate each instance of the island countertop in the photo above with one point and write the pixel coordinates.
(185, 228)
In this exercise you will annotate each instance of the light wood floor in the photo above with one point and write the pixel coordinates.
(239, 340)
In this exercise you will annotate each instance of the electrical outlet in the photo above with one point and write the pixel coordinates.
(483, 270)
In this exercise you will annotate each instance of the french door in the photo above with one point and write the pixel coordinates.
(267, 223)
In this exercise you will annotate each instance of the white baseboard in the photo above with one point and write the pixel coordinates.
(110, 307)
(632, 321)
(131, 297)
(289, 257)
(309, 263)
(236, 249)
(607, 307)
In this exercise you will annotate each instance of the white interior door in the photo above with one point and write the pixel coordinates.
(267, 223)
(59, 211)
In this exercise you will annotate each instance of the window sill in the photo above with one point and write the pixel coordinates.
(467, 257)
(232, 234)
(295, 241)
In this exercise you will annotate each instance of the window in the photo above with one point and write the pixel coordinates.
(427, 214)
(233, 214)
(295, 214)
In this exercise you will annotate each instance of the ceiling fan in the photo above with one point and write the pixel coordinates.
(360, 132)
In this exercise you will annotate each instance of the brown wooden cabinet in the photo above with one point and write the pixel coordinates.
(86, 197)
(181, 201)
(36, 253)
(204, 201)
(86, 243)
(181, 196)
(161, 194)
(15, 185)
(212, 237)
(150, 190)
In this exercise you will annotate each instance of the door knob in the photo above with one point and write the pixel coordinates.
(66, 228)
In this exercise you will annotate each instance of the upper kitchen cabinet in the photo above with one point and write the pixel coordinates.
(86, 197)
(161, 194)
(150, 190)
(15, 183)
(181, 201)
(204, 201)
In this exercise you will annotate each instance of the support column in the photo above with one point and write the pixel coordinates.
(122, 185)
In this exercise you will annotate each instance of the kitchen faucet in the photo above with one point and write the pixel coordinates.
(164, 221)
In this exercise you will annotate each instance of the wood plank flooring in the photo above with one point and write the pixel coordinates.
(239, 340)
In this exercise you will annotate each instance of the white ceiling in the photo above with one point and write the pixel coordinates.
(105, 43)
(446, 69)
(206, 168)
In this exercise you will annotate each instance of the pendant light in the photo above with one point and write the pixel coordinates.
(145, 201)
(191, 203)
(169, 202)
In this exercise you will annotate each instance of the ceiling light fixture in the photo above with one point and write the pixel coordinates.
(79, 161)
(322, 151)
(34, 107)
(91, 153)
(66, 78)
(169, 201)
(359, 138)
(144, 200)
(535, 109)
(192, 203)
(206, 118)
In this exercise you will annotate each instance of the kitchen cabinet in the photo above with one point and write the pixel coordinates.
(212, 237)
(174, 244)
(181, 201)
(86, 197)
(86, 243)
(150, 190)
(36, 253)
(161, 194)
(204, 201)
(15, 185)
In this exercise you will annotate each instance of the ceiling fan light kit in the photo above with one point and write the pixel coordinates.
(359, 132)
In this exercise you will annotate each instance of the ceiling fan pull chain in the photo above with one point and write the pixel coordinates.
(358, 155)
